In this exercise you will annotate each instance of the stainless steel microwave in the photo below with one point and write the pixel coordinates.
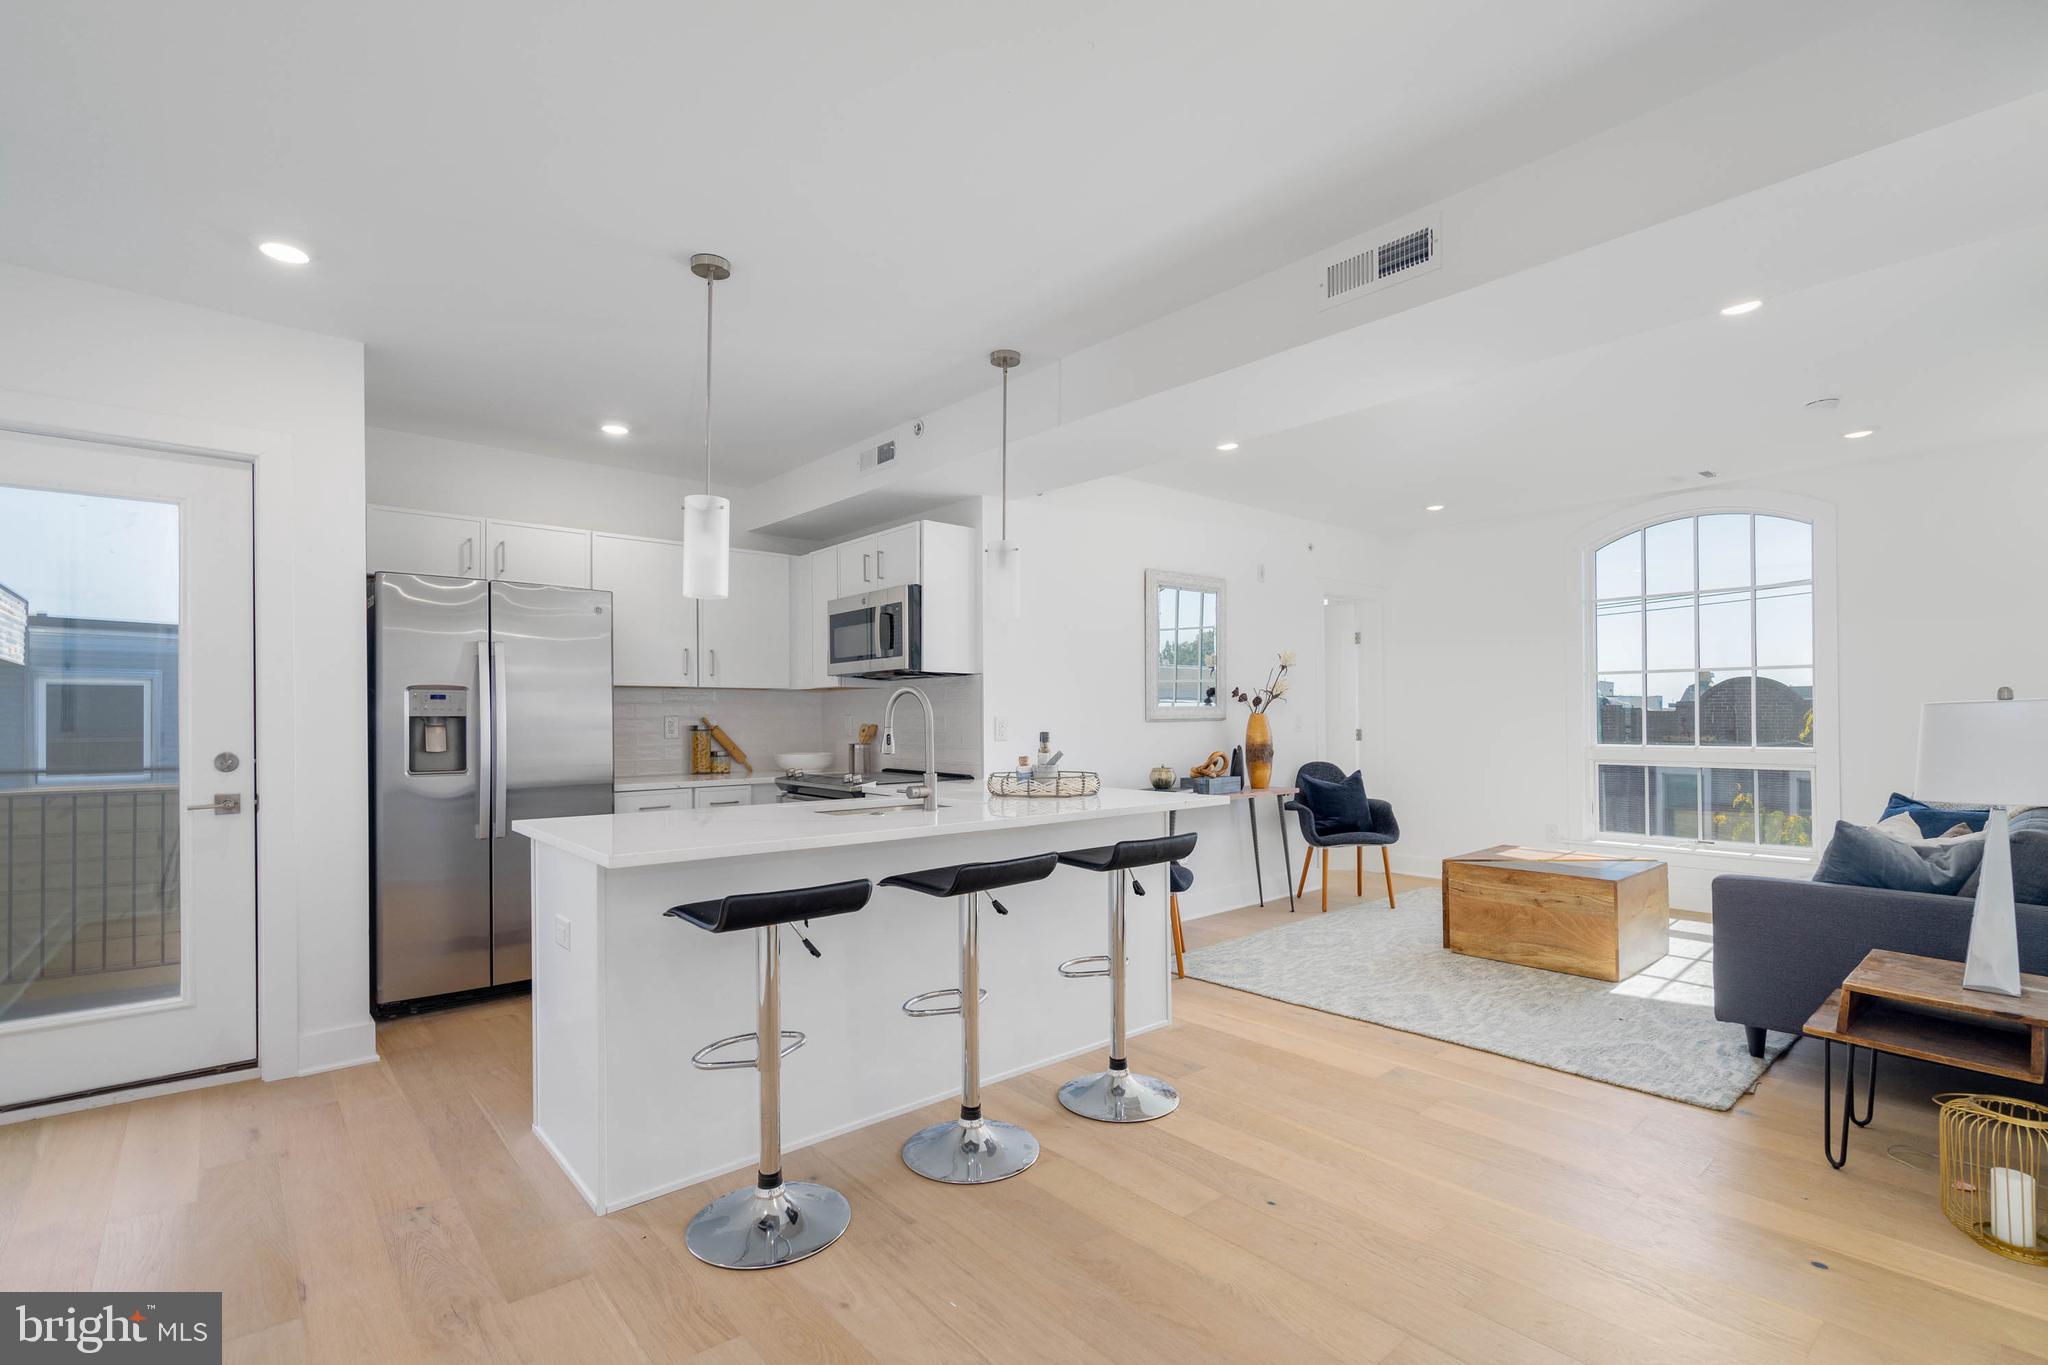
(878, 634)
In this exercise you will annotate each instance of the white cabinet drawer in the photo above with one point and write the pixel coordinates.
(666, 798)
(735, 795)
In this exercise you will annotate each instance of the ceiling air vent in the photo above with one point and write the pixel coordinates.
(873, 458)
(1368, 269)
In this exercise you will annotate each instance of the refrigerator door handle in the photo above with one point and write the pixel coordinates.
(500, 760)
(480, 742)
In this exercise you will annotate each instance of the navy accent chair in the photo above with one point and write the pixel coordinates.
(1385, 831)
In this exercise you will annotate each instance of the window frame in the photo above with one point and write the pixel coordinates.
(44, 681)
(1821, 759)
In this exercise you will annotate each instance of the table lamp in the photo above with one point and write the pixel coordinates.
(1991, 753)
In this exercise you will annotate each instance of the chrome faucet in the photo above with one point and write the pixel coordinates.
(929, 790)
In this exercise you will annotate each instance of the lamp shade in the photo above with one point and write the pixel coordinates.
(707, 545)
(1987, 752)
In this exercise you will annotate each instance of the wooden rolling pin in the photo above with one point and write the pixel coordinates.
(724, 741)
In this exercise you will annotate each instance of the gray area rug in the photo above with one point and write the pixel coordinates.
(1654, 1032)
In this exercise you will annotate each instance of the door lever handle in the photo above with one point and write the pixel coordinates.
(223, 803)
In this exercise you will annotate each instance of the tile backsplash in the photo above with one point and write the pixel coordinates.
(765, 723)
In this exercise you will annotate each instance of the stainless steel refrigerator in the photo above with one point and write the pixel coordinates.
(489, 702)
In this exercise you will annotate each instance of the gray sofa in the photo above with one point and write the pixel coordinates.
(1780, 946)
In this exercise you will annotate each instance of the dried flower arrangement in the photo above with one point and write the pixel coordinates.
(1275, 688)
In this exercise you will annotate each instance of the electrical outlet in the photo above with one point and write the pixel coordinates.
(671, 727)
(562, 930)
(1001, 727)
(1550, 833)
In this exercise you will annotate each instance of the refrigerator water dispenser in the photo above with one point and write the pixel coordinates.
(436, 730)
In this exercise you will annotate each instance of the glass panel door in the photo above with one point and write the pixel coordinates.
(125, 630)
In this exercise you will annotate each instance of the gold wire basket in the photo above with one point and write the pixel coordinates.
(1065, 783)
(1994, 1157)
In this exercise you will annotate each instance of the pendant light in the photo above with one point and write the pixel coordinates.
(1005, 564)
(707, 519)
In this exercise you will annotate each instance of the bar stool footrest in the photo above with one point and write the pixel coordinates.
(702, 1060)
(1073, 967)
(916, 1008)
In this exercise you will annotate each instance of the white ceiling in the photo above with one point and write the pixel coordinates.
(1938, 353)
(499, 193)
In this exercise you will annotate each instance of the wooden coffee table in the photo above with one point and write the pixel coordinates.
(1913, 1006)
(1582, 913)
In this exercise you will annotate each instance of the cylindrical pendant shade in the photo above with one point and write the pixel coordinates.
(1005, 596)
(707, 545)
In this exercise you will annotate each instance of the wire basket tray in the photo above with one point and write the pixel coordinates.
(1066, 783)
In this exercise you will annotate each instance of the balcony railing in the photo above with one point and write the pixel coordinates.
(88, 880)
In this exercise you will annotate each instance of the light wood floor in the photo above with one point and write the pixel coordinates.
(1329, 1191)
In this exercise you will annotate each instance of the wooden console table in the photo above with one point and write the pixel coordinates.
(1914, 1006)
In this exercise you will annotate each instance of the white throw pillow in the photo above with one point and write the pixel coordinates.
(1903, 828)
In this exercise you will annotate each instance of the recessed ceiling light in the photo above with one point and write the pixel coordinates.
(285, 252)
(1736, 310)
(1859, 434)
(1227, 446)
(616, 429)
(1434, 507)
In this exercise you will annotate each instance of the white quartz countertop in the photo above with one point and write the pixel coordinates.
(653, 838)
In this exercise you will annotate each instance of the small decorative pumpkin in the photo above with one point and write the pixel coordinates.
(1163, 778)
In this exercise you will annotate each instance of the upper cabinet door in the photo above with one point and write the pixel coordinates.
(537, 554)
(745, 635)
(401, 541)
(856, 560)
(654, 627)
(814, 583)
(896, 555)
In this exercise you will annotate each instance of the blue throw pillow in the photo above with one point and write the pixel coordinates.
(1337, 807)
(1935, 821)
(1859, 855)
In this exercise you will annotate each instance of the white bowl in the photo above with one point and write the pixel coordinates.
(813, 762)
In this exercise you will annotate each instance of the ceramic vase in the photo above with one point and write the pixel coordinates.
(1258, 749)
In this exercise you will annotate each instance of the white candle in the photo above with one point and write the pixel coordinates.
(2012, 1206)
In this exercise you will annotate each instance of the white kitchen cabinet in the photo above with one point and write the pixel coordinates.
(814, 582)
(886, 559)
(524, 553)
(724, 794)
(664, 798)
(654, 627)
(400, 540)
(744, 636)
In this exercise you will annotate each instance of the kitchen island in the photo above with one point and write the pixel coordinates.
(623, 995)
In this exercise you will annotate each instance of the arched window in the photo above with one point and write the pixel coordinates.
(1702, 653)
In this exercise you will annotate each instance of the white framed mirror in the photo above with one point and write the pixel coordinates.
(1182, 629)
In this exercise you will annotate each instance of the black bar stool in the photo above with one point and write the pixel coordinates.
(1116, 1095)
(773, 1223)
(970, 1150)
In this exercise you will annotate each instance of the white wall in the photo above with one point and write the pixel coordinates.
(1939, 563)
(169, 363)
(1075, 663)
(436, 475)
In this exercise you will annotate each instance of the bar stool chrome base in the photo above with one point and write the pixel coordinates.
(970, 1151)
(755, 1229)
(1119, 1097)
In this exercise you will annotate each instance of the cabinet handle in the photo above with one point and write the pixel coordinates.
(713, 655)
(686, 661)
(879, 575)
(501, 556)
(663, 806)
(468, 556)
(865, 576)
